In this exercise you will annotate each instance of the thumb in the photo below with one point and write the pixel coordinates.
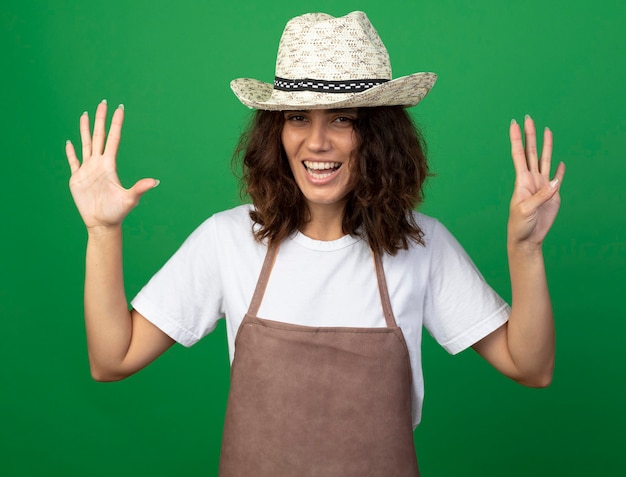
(142, 186)
(543, 195)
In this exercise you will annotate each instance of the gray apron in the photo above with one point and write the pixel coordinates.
(308, 401)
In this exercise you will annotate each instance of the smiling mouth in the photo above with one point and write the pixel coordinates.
(321, 169)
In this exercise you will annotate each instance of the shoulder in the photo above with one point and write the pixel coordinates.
(425, 222)
(232, 233)
(228, 227)
(434, 231)
(235, 217)
(229, 221)
(438, 245)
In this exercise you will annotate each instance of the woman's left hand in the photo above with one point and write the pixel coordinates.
(535, 201)
(523, 348)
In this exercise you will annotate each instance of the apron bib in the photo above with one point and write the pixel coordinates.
(318, 401)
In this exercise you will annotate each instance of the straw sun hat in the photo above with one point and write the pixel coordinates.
(326, 62)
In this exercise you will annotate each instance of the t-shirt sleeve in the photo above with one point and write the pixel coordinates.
(184, 298)
(460, 307)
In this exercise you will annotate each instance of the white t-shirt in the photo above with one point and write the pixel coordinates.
(320, 283)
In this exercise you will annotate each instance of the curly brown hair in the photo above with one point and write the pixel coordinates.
(388, 174)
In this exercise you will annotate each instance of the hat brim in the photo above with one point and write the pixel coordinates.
(404, 91)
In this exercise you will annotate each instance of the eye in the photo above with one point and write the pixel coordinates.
(344, 121)
(295, 117)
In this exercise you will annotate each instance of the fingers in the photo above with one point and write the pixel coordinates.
(546, 153)
(142, 186)
(517, 149)
(85, 136)
(71, 157)
(115, 131)
(548, 191)
(96, 145)
(99, 134)
(524, 152)
(542, 196)
(531, 144)
(559, 174)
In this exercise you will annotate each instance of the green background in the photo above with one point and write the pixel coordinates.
(170, 64)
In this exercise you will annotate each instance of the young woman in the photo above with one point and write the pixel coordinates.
(326, 280)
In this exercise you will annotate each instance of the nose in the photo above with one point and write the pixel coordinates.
(318, 138)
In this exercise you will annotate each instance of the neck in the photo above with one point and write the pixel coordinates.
(326, 222)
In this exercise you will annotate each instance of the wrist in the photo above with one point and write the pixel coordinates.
(526, 250)
(103, 231)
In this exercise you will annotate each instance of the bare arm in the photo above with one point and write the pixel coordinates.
(120, 341)
(523, 349)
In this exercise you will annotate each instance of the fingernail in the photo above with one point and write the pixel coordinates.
(121, 106)
(156, 183)
(546, 129)
(104, 101)
(68, 142)
(85, 113)
(513, 121)
(554, 183)
(527, 116)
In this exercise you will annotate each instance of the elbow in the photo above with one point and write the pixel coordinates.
(541, 379)
(105, 378)
(104, 375)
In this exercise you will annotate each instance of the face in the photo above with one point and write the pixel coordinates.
(319, 145)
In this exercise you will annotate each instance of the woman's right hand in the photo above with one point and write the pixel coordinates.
(95, 186)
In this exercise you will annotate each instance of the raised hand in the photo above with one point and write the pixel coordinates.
(535, 201)
(95, 185)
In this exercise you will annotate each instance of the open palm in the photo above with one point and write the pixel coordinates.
(95, 185)
(535, 201)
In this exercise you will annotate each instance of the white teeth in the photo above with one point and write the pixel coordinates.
(321, 176)
(321, 165)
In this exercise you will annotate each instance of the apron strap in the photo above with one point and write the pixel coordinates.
(264, 276)
(384, 292)
(268, 264)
